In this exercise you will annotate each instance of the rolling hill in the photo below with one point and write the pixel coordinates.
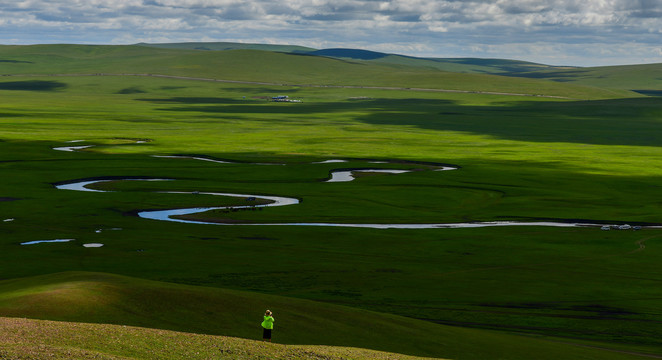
(39, 339)
(112, 299)
(460, 65)
(215, 46)
(274, 68)
(646, 79)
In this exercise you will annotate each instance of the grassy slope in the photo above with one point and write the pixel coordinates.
(626, 77)
(105, 298)
(467, 65)
(35, 340)
(266, 66)
(463, 65)
(229, 46)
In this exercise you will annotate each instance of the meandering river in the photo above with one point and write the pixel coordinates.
(339, 175)
(169, 215)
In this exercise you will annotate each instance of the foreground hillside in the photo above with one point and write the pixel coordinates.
(39, 339)
(106, 298)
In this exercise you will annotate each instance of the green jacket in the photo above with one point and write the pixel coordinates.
(268, 322)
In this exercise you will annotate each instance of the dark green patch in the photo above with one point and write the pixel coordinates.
(649, 92)
(132, 90)
(33, 85)
(15, 61)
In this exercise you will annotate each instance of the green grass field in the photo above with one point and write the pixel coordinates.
(593, 158)
(104, 298)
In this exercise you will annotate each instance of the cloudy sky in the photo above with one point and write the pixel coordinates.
(556, 32)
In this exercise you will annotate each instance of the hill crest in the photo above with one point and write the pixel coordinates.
(103, 298)
(42, 339)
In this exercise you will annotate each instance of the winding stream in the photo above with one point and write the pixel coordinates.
(82, 185)
(348, 175)
(339, 175)
(72, 148)
(46, 241)
(167, 215)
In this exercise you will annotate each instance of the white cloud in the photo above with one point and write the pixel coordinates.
(505, 28)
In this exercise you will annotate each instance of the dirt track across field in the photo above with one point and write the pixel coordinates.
(308, 85)
(642, 244)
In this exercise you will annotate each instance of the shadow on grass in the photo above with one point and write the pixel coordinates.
(634, 121)
(555, 75)
(649, 92)
(33, 85)
(15, 61)
(516, 68)
(7, 115)
(223, 106)
(607, 122)
(132, 90)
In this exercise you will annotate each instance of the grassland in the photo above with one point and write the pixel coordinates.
(103, 298)
(522, 158)
(32, 339)
(230, 46)
(269, 67)
(643, 78)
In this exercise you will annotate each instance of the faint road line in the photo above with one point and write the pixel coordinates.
(642, 244)
(305, 85)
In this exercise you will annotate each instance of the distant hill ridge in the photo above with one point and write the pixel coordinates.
(350, 53)
(492, 66)
(218, 46)
(645, 79)
(296, 66)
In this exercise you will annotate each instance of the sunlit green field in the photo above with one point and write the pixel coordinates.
(520, 158)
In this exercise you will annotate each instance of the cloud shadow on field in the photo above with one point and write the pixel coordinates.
(221, 106)
(634, 121)
(33, 85)
(194, 100)
(558, 75)
(15, 61)
(131, 90)
(649, 92)
(8, 115)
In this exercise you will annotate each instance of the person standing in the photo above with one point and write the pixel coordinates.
(267, 326)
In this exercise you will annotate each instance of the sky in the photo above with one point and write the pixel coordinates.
(554, 32)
